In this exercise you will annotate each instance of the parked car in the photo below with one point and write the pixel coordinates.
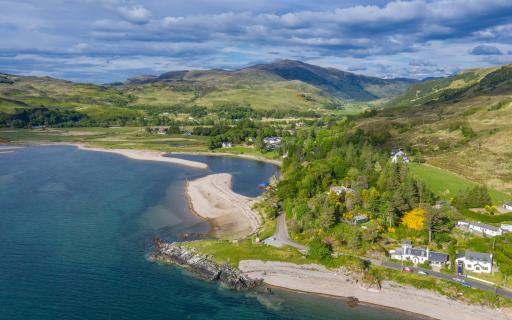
(465, 284)
(423, 273)
(407, 269)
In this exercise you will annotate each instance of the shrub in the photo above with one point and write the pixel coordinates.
(318, 250)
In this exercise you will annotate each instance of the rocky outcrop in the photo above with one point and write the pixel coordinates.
(202, 265)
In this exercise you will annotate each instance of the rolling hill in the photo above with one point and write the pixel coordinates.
(341, 84)
(284, 85)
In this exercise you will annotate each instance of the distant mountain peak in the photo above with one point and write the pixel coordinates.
(336, 83)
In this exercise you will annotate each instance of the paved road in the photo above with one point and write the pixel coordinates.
(439, 275)
(281, 238)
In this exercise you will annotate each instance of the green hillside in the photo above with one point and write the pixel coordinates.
(341, 84)
(461, 123)
(284, 86)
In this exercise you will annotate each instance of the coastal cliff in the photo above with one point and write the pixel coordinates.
(202, 265)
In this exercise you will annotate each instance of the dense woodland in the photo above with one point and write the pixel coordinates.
(397, 205)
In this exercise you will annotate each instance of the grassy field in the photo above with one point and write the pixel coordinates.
(507, 217)
(447, 184)
(234, 252)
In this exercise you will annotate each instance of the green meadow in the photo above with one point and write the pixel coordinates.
(447, 185)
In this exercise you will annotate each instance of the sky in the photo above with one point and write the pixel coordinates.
(104, 41)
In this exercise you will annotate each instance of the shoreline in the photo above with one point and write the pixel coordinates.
(315, 279)
(147, 155)
(230, 214)
(347, 300)
(278, 163)
(135, 154)
(192, 153)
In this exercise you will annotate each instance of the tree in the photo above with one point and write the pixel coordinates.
(318, 250)
(476, 197)
(436, 221)
(414, 219)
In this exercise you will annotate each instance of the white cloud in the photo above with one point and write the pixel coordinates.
(135, 14)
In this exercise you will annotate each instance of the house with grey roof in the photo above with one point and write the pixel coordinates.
(477, 262)
(359, 219)
(419, 255)
(480, 228)
(506, 227)
(399, 156)
(340, 190)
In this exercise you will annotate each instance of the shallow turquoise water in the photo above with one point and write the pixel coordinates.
(75, 227)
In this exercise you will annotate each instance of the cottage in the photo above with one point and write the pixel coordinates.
(227, 144)
(419, 255)
(340, 190)
(399, 156)
(508, 206)
(474, 261)
(480, 228)
(359, 219)
(272, 143)
(505, 227)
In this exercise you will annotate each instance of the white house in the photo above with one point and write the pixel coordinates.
(505, 227)
(359, 219)
(272, 142)
(399, 156)
(340, 190)
(419, 255)
(508, 206)
(227, 145)
(474, 261)
(480, 228)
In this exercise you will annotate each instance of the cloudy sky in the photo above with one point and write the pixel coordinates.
(110, 40)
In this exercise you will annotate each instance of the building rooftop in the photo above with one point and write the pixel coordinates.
(475, 256)
(482, 225)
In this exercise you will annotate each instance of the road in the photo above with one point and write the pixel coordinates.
(444, 276)
(281, 237)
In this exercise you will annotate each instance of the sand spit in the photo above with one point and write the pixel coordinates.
(232, 155)
(230, 213)
(317, 279)
(148, 155)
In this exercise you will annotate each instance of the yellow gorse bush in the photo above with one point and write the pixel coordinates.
(414, 219)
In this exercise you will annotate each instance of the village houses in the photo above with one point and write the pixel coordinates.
(480, 228)
(419, 255)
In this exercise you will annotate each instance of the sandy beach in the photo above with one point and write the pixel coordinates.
(317, 279)
(233, 155)
(230, 213)
(147, 155)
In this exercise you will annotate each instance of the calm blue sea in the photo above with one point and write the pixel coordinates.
(75, 227)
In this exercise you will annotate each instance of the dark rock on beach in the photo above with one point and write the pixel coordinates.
(202, 265)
